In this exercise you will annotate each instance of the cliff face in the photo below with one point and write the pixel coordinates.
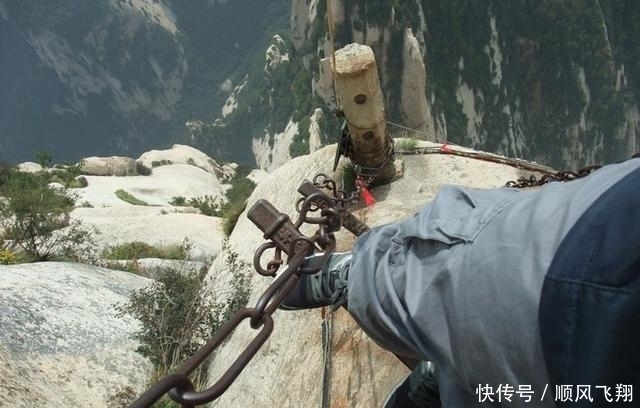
(552, 82)
(96, 74)
(118, 76)
(555, 82)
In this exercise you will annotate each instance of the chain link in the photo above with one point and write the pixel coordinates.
(284, 236)
(566, 175)
(368, 174)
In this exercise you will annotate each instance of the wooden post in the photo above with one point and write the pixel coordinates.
(358, 89)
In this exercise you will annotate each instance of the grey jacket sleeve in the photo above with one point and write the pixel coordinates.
(459, 283)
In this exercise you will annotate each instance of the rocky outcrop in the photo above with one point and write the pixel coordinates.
(231, 104)
(413, 101)
(271, 151)
(109, 166)
(276, 54)
(300, 22)
(62, 343)
(290, 365)
(29, 167)
(183, 154)
(180, 173)
(315, 133)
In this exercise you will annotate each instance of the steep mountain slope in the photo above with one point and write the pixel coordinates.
(117, 76)
(552, 82)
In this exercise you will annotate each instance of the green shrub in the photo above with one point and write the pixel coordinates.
(80, 182)
(128, 266)
(207, 205)
(128, 198)
(35, 217)
(138, 249)
(7, 257)
(67, 175)
(44, 159)
(237, 195)
(178, 314)
(231, 215)
(406, 144)
(300, 144)
(142, 170)
(178, 201)
(163, 162)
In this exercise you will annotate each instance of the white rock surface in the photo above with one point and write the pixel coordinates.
(291, 361)
(108, 166)
(315, 134)
(157, 189)
(257, 175)
(61, 343)
(270, 158)
(29, 167)
(150, 225)
(157, 11)
(231, 104)
(159, 222)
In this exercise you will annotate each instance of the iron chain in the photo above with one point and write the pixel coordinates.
(297, 246)
(567, 175)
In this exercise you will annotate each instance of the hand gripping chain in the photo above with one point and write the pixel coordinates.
(283, 236)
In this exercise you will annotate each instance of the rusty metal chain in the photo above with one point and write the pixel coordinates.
(369, 174)
(566, 175)
(364, 174)
(283, 236)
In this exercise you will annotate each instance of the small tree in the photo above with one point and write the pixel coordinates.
(35, 216)
(178, 313)
(44, 159)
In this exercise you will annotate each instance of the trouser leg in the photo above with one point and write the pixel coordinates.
(419, 390)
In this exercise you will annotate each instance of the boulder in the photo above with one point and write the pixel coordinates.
(288, 369)
(150, 266)
(257, 175)
(155, 227)
(109, 166)
(61, 343)
(157, 189)
(29, 167)
(183, 154)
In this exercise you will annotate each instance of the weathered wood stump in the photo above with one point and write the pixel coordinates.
(358, 88)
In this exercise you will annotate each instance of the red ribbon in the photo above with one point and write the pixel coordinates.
(366, 195)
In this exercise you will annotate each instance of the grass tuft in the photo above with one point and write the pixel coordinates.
(128, 198)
